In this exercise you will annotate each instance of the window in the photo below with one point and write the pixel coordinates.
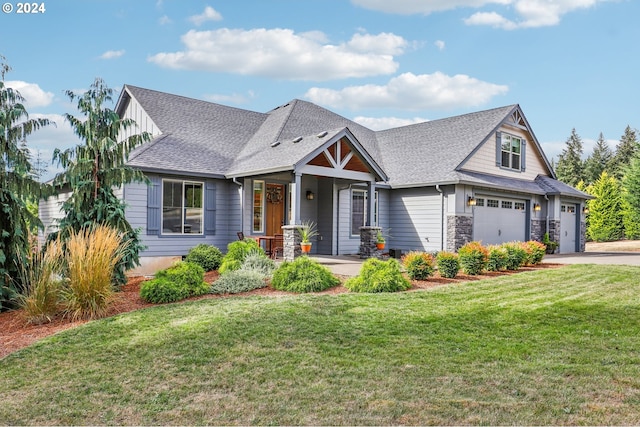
(182, 207)
(511, 151)
(492, 203)
(507, 205)
(258, 206)
(479, 202)
(359, 211)
(519, 206)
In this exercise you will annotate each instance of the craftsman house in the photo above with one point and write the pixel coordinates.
(217, 170)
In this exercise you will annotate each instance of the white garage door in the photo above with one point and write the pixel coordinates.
(498, 220)
(568, 220)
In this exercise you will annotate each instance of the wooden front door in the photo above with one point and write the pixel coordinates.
(275, 208)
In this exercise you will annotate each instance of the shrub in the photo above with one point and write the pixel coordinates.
(236, 253)
(238, 281)
(186, 275)
(257, 261)
(206, 256)
(516, 255)
(419, 265)
(162, 290)
(379, 276)
(473, 258)
(91, 257)
(497, 260)
(448, 264)
(538, 251)
(43, 284)
(303, 275)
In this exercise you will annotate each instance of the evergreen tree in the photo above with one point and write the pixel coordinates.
(95, 168)
(598, 161)
(606, 210)
(570, 167)
(625, 151)
(17, 186)
(631, 195)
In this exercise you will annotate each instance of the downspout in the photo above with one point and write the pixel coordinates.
(441, 216)
(241, 188)
(547, 218)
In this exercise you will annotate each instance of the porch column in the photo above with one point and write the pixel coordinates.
(291, 243)
(371, 202)
(296, 198)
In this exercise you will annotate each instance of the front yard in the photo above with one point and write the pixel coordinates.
(552, 346)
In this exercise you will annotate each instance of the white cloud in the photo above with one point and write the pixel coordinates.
(209, 14)
(281, 53)
(411, 92)
(411, 7)
(164, 20)
(382, 123)
(439, 44)
(529, 13)
(32, 93)
(234, 98)
(111, 54)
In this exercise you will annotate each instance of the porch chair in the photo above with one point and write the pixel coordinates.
(278, 246)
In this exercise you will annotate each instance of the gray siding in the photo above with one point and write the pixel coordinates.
(49, 212)
(325, 216)
(157, 246)
(415, 219)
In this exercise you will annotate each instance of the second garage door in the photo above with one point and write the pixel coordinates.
(498, 220)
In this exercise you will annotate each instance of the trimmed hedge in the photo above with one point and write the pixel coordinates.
(473, 258)
(180, 281)
(379, 276)
(206, 256)
(448, 264)
(419, 265)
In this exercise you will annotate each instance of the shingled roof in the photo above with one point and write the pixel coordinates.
(204, 138)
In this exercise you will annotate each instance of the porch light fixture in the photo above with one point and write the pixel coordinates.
(536, 207)
(310, 195)
(585, 209)
(471, 201)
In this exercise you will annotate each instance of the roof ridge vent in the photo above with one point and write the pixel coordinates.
(275, 144)
(322, 134)
(298, 139)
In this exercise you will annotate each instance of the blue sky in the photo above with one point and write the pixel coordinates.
(568, 63)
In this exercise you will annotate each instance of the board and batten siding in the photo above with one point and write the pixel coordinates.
(227, 202)
(484, 159)
(144, 123)
(415, 219)
(49, 212)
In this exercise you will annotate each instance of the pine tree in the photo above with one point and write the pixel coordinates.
(598, 161)
(606, 210)
(625, 151)
(95, 168)
(570, 167)
(17, 187)
(631, 195)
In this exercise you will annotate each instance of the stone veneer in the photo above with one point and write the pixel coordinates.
(537, 229)
(368, 239)
(554, 231)
(459, 231)
(291, 242)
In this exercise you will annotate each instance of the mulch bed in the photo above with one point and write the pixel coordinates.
(17, 333)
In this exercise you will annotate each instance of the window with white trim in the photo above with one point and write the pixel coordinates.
(182, 207)
(511, 151)
(258, 207)
(359, 210)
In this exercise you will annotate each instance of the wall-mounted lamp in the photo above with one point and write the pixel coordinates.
(310, 195)
(471, 201)
(536, 207)
(585, 209)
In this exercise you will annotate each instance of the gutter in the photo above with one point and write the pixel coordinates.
(241, 190)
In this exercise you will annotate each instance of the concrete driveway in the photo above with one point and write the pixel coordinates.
(620, 258)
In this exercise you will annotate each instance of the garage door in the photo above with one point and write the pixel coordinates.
(498, 220)
(568, 220)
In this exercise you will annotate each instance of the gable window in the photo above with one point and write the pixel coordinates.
(182, 207)
(359, 210)
(511, 151)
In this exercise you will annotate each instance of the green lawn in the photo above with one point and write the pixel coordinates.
(553, 346)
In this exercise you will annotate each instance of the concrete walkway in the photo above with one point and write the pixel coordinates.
(618, 258)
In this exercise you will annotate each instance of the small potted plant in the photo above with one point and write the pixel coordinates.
(380, 240)
(550, 244)
(307, 230)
